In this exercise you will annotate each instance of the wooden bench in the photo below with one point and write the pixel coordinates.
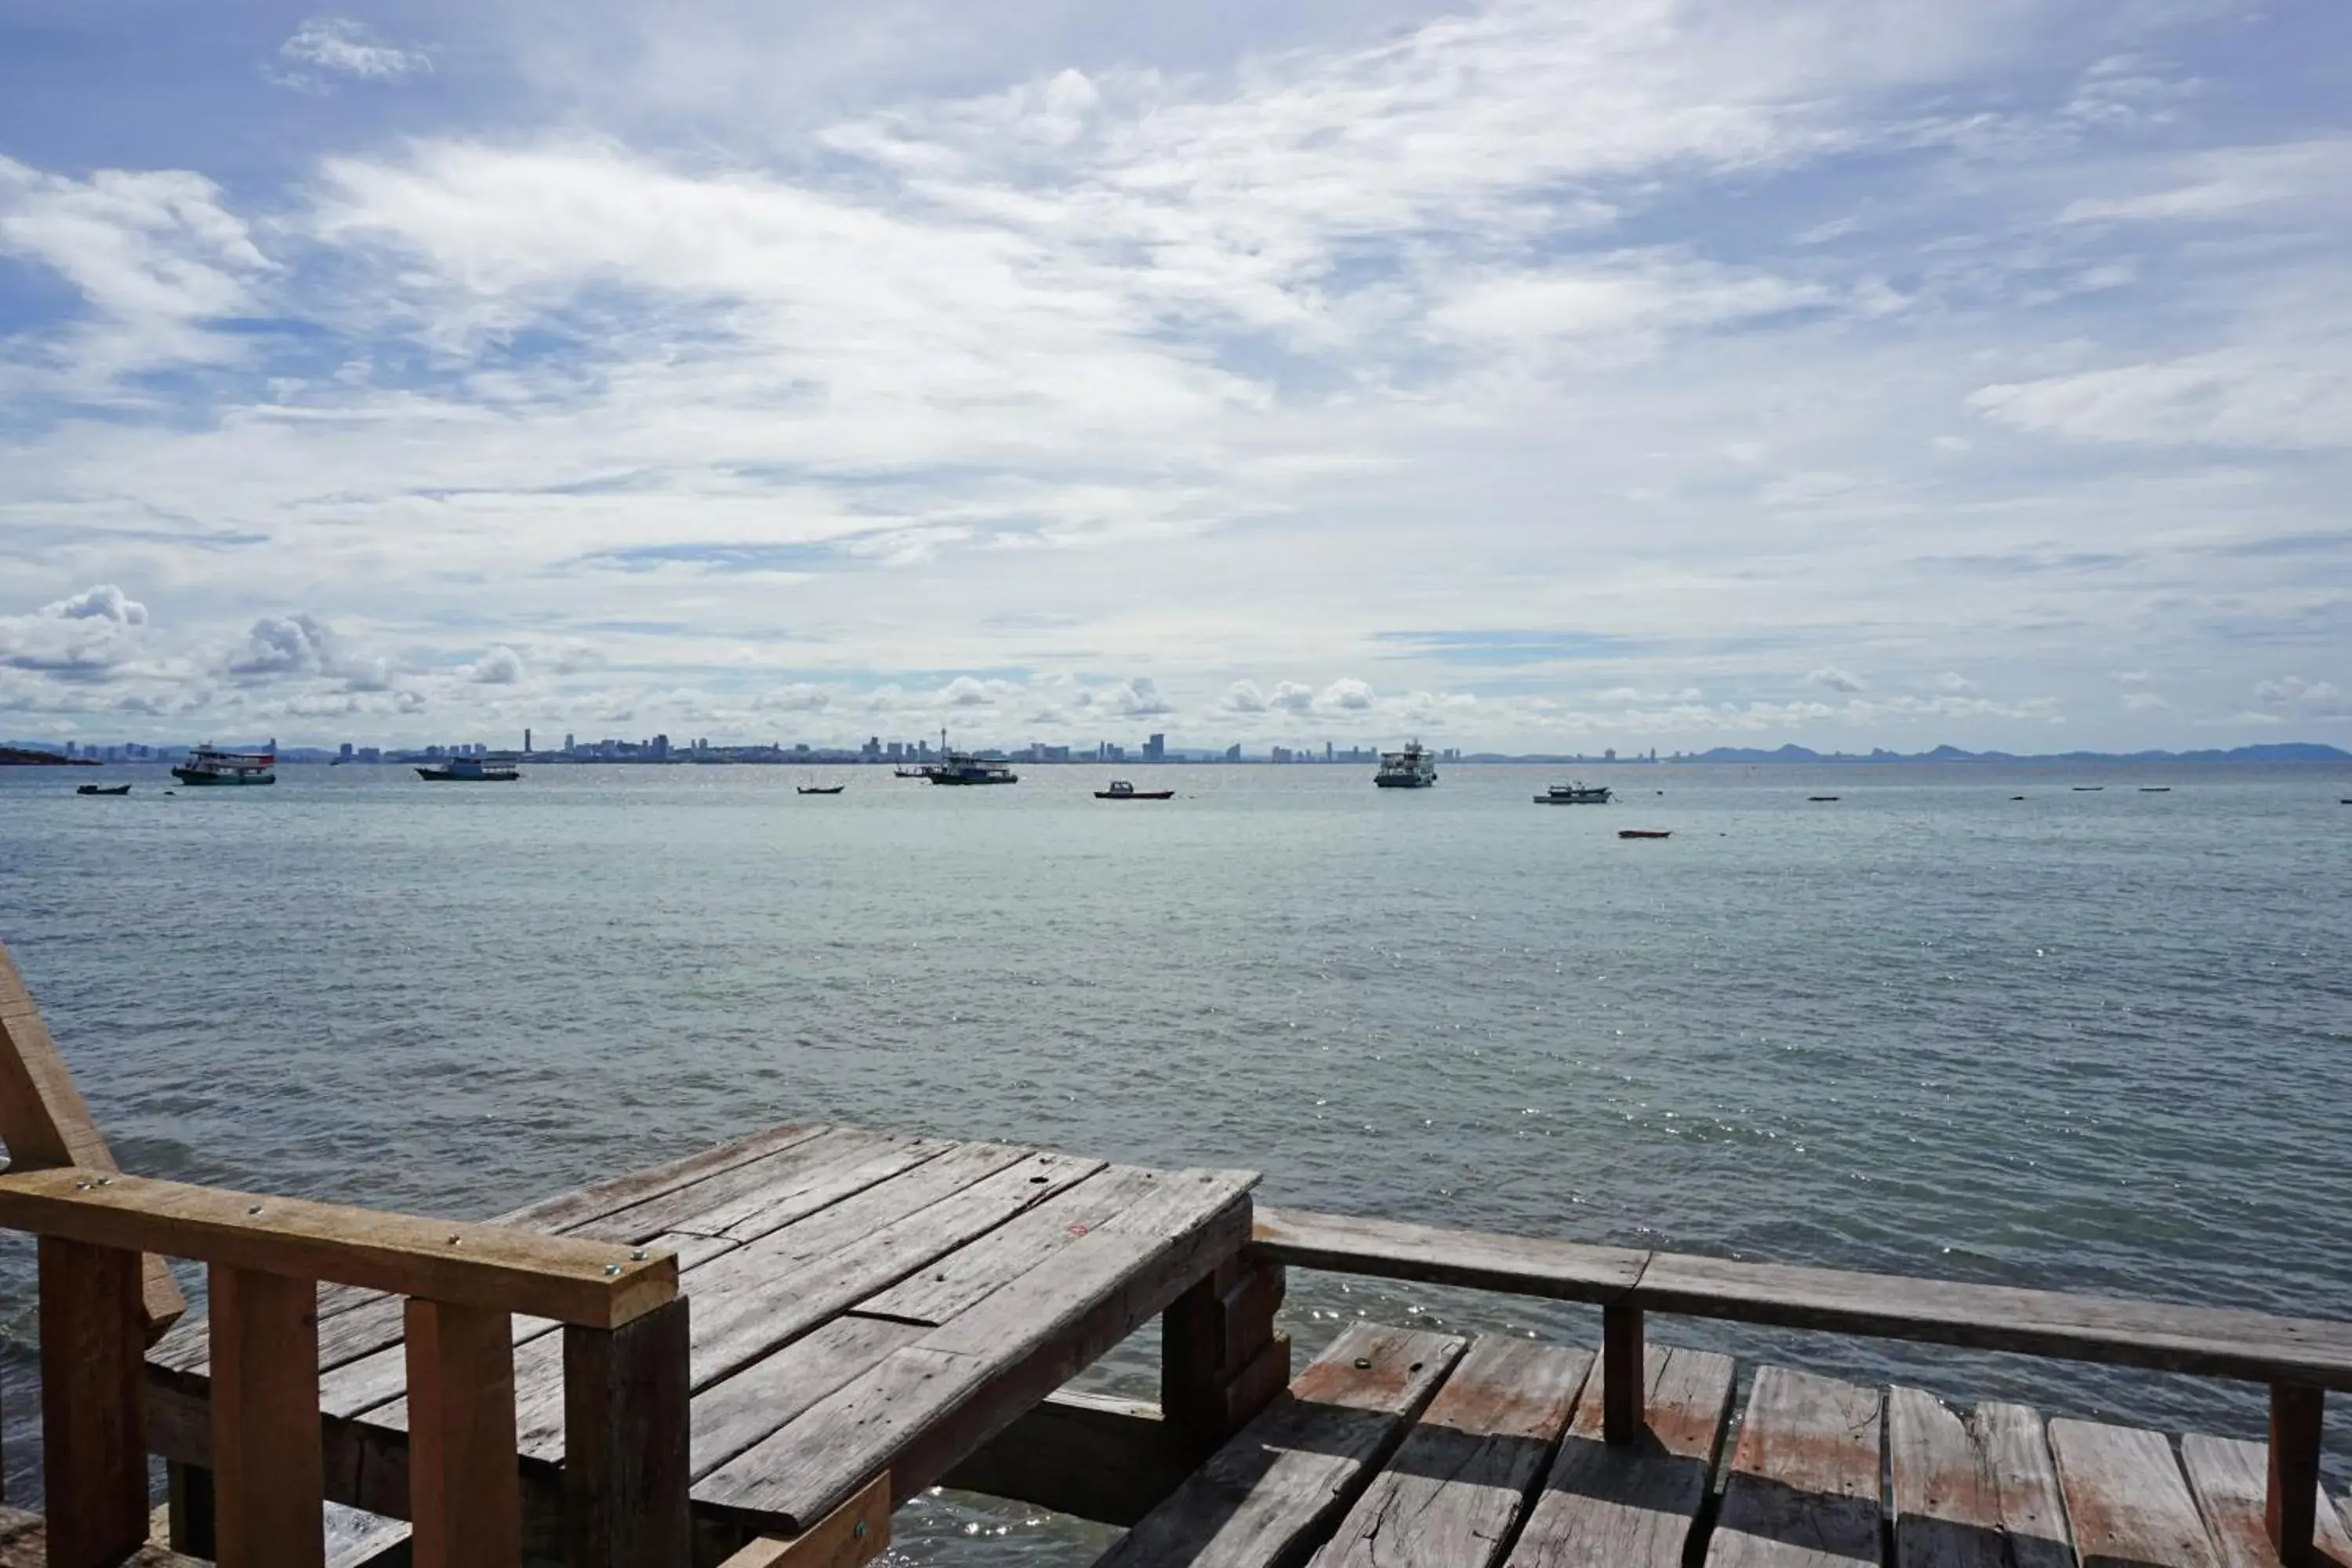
(2299, 1359)
(1404, 1448)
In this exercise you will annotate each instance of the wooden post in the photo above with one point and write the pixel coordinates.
(93, 1420)
(465, 1491)
(269, 1476)
(2290, 1511)
(1624, 1381)
(188, 1510)
(1221, 1358)
(45, 1122)
(626, 1459)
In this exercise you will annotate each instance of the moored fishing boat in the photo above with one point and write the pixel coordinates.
(209, 764)
(1122, 790)
(1578, 793)
(1646, 832)
(470, 770)
(103, 789)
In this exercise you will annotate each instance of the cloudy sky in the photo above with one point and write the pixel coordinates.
(1538, 375)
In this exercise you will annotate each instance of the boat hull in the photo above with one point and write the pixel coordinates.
(975, 783)
(429, 776)
(1403, 784)
(1601, 799)
(1136, 795)
(193, 776)
(1643, 833)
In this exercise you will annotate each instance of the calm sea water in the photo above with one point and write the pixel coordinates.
(2097, 1041)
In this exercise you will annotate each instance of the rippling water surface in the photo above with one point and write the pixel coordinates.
(2092, 1040)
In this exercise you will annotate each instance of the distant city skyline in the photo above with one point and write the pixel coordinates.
(1539, 375)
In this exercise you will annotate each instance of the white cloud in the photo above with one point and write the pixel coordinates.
(1290, 697)
(286, 644)
(500, 667)
(1953, 680)
(2144, 701)
(80, 636)
(1244, 696)
(2231, 183)
(327, 47)
(1347, 695)
(1834, 679)
(2293, 396)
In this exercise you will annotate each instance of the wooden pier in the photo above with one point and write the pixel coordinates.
(752, 1356)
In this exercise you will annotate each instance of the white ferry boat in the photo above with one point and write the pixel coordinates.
(208, 765)
(1413, 768)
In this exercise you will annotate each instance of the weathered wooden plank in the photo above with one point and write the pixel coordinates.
(1623, 1356)
(1221, 1357)
(1632, 1505)
(93, 1424)
(1941, 1492)
(1267, 1497)
(446, 1260)
(624, 1443)
(269, 1483)
(1391, 1250)
(2025, 1481)
(850, 1536)
(783, 1186)
(1803, 1489)
(45, 1122)
(2215, 1341)
(24, 1543)
(2125, 1500)
(933, 1294)
(1089, 1454)
(1453, 1489)
(465, 1499)
(736, 1411)
(2230, 1480)
(184, 1350)
(930, 1403)
(2298, 1430)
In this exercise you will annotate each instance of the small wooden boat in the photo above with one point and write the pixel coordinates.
(102, 789)
(818, 789)
(1821, 797)
(2156, 789)
(1645, 833)
(2088, 789)
(2017, 797)
(1122, 790)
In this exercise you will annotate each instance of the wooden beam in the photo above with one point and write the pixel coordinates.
(1622, 1379)
(2257, 1347)
(1391, 1250)
(850, 1537)
(463, 1496)
(268, 1482)
(45, 1122)
(626, 1451)
(1095, 1455)
(460, 1262)
(2290, 1506)
(1221, 1360)
(93, 1423)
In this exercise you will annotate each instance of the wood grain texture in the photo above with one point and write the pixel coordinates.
(736, 1412)
(625, 1450)
(1803, 1488)
(2217, 1343)
(2125, 1500)
(464, 1501)
(1623, 1356)
(93, 1424)
(446, 1260)
(927, 1405)
(850, 1537)
(1266, 1498)
(184, 1351)
(936, 1292)
(45, 1122)
(2230, 1482)
(1391, 1249)
(269, 1480)
(2025, 1480)
(1450, 1494)
(2298, 1428)
(1633, 1506)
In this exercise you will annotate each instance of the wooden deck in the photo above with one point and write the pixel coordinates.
(1405, 1448)
(861, 1302)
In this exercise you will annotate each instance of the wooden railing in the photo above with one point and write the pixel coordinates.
(2299, 1358)
(624, 1370)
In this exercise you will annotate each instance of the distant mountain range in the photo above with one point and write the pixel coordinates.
(2278, 751)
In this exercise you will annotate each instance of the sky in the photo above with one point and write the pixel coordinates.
(1533, 376)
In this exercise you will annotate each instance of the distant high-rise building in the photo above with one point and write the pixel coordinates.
(659, 746)
(568, 743)
(526, 739)
(1155, 749)
(1281, 753)
(346, 753)
(1234, 753)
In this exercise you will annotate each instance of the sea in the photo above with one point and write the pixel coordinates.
(2075, 1025)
